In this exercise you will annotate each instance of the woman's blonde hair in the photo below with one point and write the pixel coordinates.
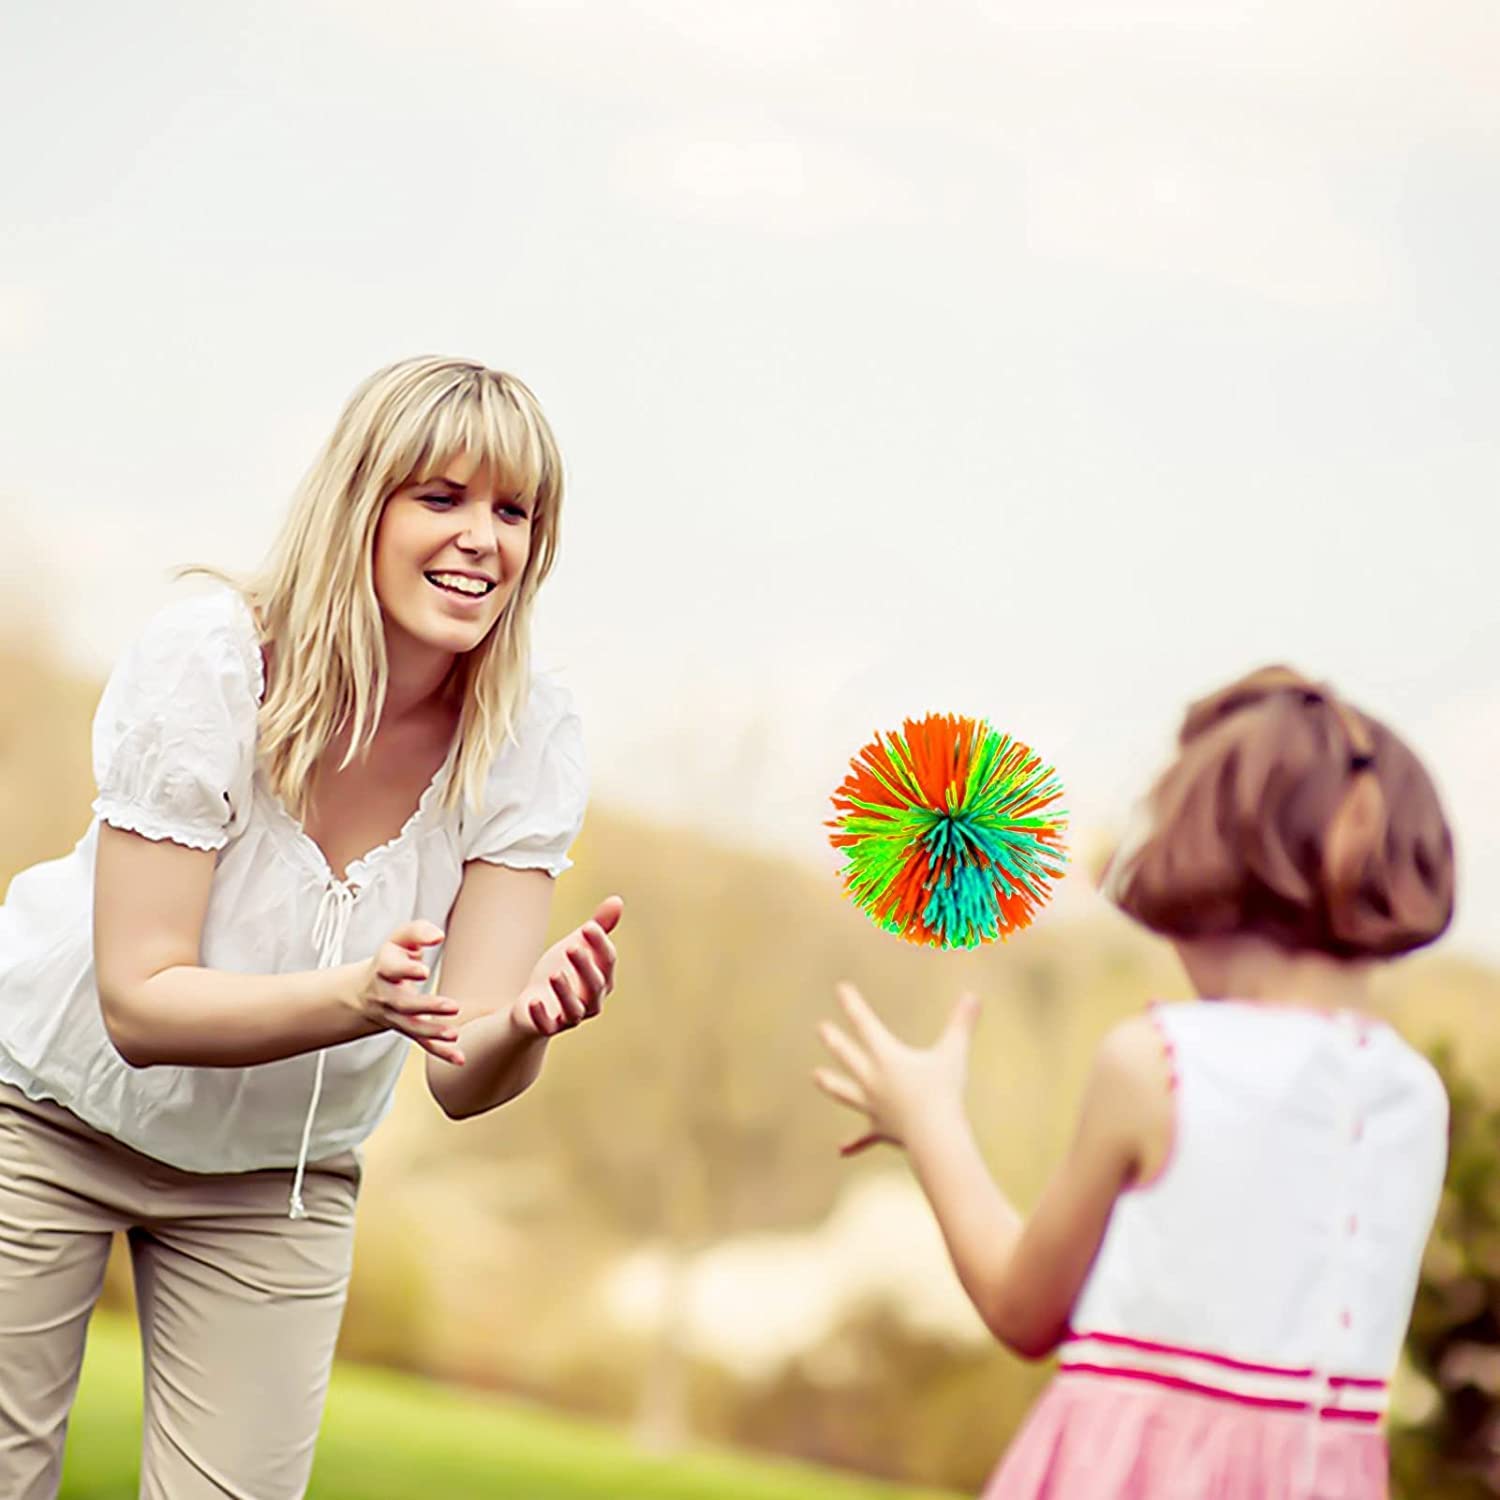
(315, 598)
(1292, 815)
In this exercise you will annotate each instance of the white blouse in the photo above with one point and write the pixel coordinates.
(174, 758)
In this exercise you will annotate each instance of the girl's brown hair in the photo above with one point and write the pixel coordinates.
(1291, 815)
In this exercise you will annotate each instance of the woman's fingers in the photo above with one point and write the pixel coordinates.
(415, 1003)
(836, 1086)
(571, 1006)
(397, 966)
(437, 1037)
(583, 976)
(592, 981)
(608, 913)
(414, 936)
(602, 951)
(448, 1052)
(853, 1059)
(421, 1024)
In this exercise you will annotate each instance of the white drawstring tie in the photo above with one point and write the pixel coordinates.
(329, 928)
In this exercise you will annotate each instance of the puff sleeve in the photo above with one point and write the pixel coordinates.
(174, 734)
(537, 788)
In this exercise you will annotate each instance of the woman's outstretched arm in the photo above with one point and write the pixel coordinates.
(161, 1006)
(511, 1001)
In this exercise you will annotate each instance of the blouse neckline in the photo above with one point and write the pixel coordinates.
(357, 872)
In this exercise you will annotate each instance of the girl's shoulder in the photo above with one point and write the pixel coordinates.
(1254, 1036)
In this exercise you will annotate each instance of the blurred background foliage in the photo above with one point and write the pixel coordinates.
(662, 1234)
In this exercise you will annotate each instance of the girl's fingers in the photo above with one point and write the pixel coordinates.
(541, 1019)
(959, 1031)
(866, 1023)
(854, 1061)
(836, 1086)
(447, 1052)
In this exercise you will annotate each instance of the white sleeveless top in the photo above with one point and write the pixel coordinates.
(1275, 1257)
(174, 758)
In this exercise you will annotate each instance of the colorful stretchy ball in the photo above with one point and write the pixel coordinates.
(948, 833)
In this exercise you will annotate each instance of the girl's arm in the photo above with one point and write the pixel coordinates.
(161, 1005)
(1023, 1276)
(510, 1001)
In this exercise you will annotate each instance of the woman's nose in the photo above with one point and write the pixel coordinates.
(478, 534)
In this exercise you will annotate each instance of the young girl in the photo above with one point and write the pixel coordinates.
(1226, 1259)
(205, 1006)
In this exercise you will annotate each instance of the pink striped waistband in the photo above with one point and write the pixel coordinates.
(1340, 1398)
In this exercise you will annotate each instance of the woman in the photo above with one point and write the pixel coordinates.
(205, 1006)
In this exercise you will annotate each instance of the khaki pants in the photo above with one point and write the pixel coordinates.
(239, 1306)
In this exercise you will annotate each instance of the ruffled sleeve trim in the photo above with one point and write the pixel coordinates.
(135, 819)
(537, 788)
(174, 734)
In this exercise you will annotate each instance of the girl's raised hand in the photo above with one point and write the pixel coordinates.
(888, 1082)
(388, 992)
(572, 977)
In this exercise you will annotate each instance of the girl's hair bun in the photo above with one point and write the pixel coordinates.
(1290, 814)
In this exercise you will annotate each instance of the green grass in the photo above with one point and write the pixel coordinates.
(392, 1437)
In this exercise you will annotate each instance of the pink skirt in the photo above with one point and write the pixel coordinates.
(1095, 1438)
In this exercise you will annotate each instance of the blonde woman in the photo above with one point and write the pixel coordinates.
(306, 785)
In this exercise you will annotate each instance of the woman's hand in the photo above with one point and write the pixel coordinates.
(387, 993)
(891, 1084)
(572, 977)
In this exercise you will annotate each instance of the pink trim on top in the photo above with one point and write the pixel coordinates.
(1366, 1025)
(1169, 1051)
(1177, 1383)
(1228, 1362)
(1217, 1393)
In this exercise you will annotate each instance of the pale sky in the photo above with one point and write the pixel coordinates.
(1051, 362)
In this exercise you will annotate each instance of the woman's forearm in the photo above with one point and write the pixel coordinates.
(500, 1061)
(196, 1017)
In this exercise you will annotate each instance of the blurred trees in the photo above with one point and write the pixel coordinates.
(684, 1121)
(46, 776)
(1454, 1342)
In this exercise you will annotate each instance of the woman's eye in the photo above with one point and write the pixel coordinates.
(513, 512)
(440, 502)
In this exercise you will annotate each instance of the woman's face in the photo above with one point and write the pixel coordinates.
(449, 553)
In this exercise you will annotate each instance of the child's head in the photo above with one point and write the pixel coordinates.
(1290, 816)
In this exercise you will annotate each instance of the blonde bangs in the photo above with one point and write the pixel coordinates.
(316, 600)
(496, 422)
